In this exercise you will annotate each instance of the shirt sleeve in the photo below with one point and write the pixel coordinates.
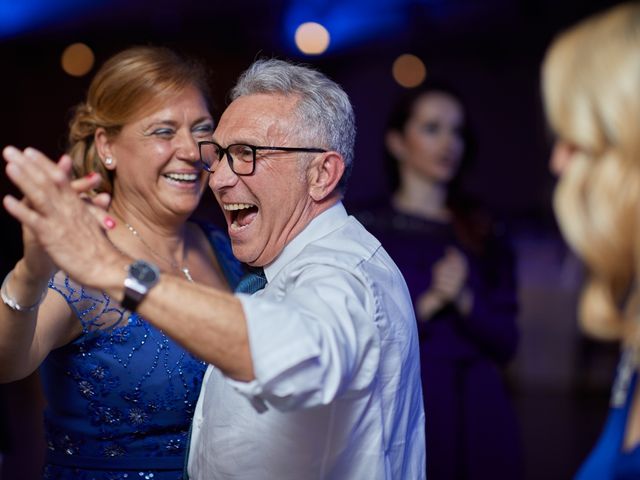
(313, 337)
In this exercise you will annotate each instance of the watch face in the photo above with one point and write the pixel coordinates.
(143, 272)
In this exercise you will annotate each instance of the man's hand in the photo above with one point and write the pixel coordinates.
(54, 217)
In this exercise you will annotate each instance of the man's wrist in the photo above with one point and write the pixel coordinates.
(141, 277)
(110, 276)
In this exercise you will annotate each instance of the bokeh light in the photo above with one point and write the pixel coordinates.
(408, 70)
(312, 38)
(77, 59)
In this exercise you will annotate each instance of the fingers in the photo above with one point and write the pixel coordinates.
(39, 179)
(104, 219)
(41, 164)
(28, 178)
(86, 183)
(65, 164)
(62, 224)
(20, 211)
(99, 203)
(102, 200)
(84, 187)
(454, 254)
(46, 188)
(453, 260)
(450, 274)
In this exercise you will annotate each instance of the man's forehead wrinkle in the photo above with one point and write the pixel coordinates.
(255, 123)
(278, 132)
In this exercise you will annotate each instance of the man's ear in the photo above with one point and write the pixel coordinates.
(103, 147)
(395, 144)
(324, 173)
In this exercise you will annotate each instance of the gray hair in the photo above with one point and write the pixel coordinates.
(324, 111)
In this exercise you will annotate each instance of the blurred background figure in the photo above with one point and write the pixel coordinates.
(591, 79)
(461, 274)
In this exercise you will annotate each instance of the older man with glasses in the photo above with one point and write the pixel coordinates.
(314, 368)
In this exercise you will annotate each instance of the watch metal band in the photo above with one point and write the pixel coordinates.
(132, 294)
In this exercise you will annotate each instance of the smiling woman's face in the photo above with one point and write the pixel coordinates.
(156, 158)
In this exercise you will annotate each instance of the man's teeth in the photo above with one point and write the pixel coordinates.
(182, 177)
(237, 206)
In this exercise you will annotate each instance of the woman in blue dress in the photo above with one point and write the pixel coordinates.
(120, 394)
(591, 81)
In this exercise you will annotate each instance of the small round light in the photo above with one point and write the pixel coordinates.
(77, 59)
(409, 71)
(312, 38)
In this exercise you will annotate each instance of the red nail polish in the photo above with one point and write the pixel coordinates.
(109, 222)
(91, 175)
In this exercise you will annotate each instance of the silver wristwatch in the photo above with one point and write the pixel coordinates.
(142, 276)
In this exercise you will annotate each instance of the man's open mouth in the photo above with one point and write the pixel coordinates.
(242, 214)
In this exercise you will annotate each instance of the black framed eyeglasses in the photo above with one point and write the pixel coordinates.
(241, 157)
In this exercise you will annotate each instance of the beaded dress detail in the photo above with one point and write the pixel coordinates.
(120, 397)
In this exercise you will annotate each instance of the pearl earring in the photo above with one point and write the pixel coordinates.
(108, 161)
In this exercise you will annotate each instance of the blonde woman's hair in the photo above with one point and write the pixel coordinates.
(591, 87)
(128, 85)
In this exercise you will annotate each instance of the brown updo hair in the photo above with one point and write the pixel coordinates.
(127, 85)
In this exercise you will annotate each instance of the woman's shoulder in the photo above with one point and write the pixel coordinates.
(217, 238)
(94, 308)
(478, 227)
(375, 216)
(232, 268)
(384, 218)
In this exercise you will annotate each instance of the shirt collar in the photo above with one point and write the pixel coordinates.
(329, 220)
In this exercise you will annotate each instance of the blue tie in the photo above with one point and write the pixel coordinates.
(253, 281)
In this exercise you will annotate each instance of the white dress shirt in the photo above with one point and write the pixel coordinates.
(337, 391)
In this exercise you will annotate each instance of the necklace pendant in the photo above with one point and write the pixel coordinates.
(187, 274)
(171, 262)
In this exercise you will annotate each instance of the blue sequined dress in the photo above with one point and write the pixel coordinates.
(120, 397)
(609, 460)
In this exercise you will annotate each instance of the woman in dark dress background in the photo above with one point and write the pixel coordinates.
(461, 276)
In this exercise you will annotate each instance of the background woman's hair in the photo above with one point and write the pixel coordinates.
(404, 109)
(591, 81)
(472, 222)
(128, 85)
